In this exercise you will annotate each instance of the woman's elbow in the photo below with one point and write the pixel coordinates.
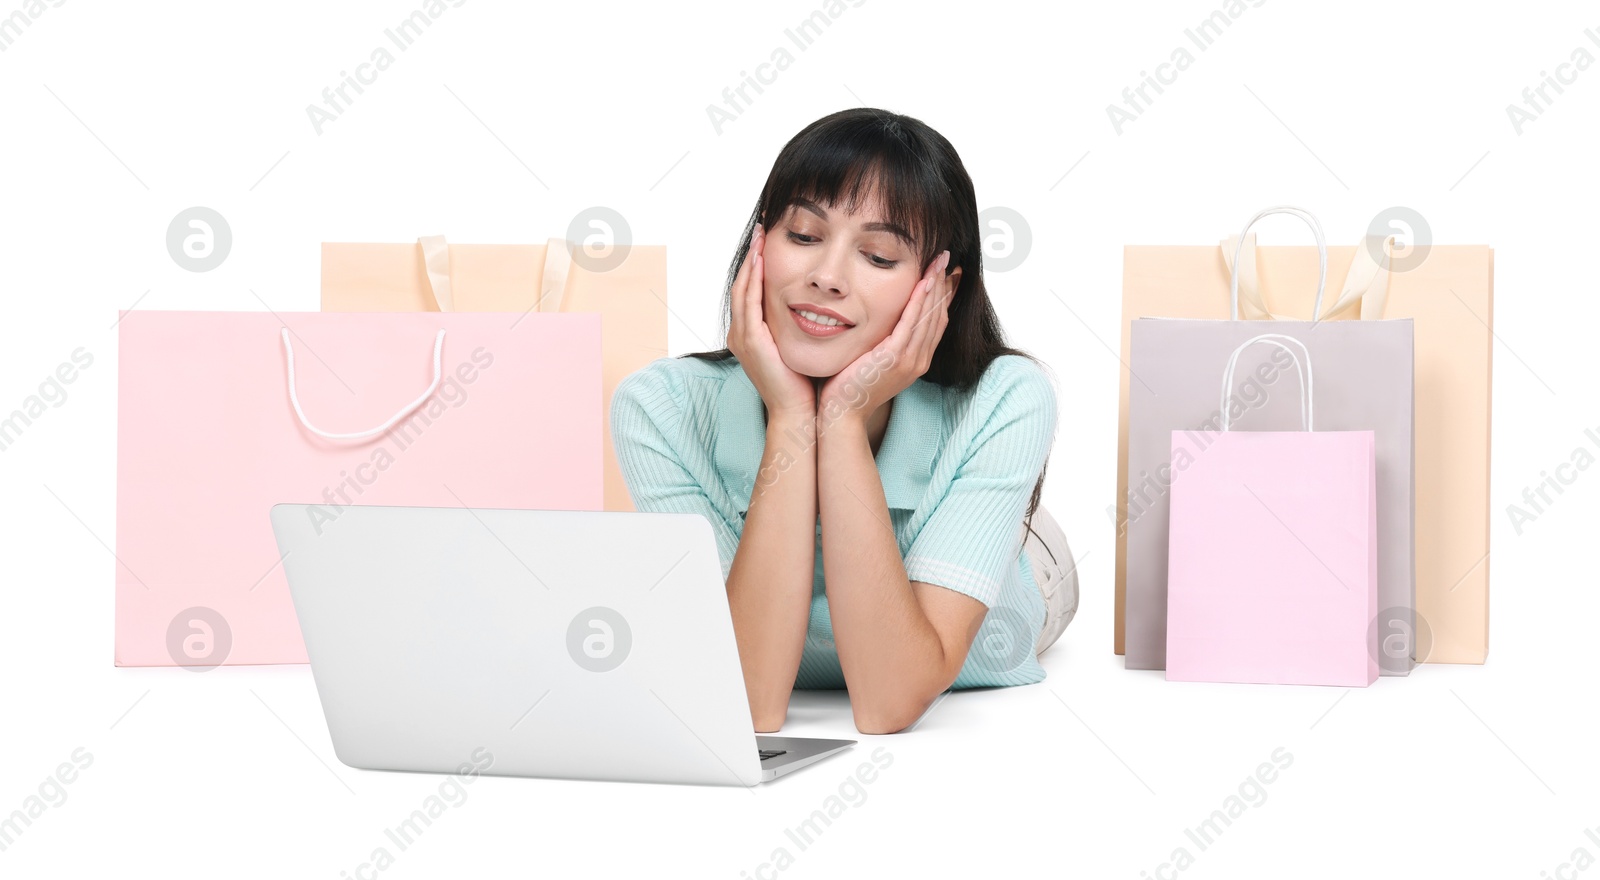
(769, 715)
(769, 722)
(876, 719)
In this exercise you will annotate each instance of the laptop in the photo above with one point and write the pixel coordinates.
(549, 643)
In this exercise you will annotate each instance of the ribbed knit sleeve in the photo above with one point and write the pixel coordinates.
(972, 539)
(652, 444)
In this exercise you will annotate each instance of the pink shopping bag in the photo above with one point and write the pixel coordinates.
(223, 414)
(1272, 573)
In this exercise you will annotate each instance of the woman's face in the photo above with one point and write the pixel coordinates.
(850, 267)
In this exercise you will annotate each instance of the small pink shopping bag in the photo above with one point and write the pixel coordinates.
(1273, 551)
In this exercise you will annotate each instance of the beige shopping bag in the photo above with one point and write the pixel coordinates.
(1449, 293)
(628, 287)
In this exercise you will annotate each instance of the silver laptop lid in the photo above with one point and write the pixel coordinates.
(577, 644)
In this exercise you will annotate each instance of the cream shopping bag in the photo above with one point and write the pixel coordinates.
(627, 286)
(1448, 292)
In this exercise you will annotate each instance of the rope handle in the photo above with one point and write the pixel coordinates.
(1322, 257)
(438, 349)
(1303, 370)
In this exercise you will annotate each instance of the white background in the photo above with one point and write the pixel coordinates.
(504, 120)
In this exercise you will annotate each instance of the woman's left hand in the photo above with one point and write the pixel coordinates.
(896, 362)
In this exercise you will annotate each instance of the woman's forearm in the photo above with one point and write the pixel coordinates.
(769, 583)
(888, 650)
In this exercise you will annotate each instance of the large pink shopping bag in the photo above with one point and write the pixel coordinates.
(1273, 563)
(223, 414)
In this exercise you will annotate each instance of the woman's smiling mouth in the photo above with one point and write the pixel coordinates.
(818, 324)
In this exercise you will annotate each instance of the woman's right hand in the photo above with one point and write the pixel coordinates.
(750, 339)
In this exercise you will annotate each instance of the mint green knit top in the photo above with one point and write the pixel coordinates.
(958, 469)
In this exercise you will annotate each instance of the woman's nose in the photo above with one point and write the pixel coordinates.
(828, 272)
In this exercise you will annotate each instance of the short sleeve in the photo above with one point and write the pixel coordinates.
(650, 441)
(973, 538)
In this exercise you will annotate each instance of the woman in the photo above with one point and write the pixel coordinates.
(866, 395)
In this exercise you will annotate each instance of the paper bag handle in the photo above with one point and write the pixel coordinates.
(552, 287)
(438, 347)
(436, 259)
(1367, 282)
(557, 267)
(1233, 265)
(1303, 370)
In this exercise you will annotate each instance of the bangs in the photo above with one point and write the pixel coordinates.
(864, 168)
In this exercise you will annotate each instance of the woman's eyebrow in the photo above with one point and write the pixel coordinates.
(875, 226)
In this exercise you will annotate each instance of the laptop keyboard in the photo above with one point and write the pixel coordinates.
(771, 753)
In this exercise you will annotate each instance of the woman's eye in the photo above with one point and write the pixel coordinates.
(881, 262)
